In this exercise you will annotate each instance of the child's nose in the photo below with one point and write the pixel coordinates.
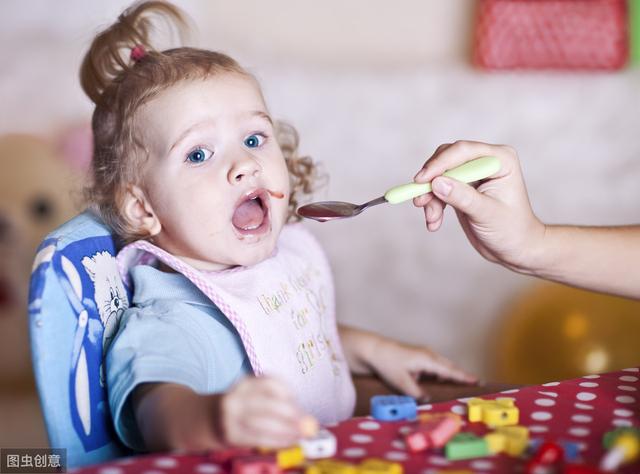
(244, 166)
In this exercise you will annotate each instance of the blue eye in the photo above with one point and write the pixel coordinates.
(253, 141)
(199, 155)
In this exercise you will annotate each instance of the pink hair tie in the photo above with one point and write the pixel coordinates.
(138, 52)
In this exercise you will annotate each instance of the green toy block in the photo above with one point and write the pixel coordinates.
(610, 436)
(466, 446)
(634, 31)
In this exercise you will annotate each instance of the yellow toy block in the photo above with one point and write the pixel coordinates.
(517, 439)
(329, 466)
(498, 412)
(378, 466)
(290, 457)
(496, 442)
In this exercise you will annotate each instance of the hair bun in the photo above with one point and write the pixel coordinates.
(110, 54)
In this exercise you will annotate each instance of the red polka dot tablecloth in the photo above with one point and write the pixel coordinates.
(578, 410)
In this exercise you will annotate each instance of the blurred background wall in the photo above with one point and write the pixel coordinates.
(373, 88)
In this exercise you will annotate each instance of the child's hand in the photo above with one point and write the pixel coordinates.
(496, 217)
(261, 412)
(400, 365)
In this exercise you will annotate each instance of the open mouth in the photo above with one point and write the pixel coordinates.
(251, 214)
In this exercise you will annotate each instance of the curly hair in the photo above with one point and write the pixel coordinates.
(120, 73)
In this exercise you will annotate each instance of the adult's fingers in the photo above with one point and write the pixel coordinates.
(460, 152)
(463, 197)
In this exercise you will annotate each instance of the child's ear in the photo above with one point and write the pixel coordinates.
(139, 213)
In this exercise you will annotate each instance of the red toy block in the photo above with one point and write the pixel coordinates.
(433, 432)
(549, 453)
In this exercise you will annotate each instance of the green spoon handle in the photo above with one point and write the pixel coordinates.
(468, 172)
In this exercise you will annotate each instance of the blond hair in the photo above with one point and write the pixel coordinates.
(119, 83)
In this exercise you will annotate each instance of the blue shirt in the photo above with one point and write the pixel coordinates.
(171, 333)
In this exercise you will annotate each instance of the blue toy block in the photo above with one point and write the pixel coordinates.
(393, 407)
(571, 451)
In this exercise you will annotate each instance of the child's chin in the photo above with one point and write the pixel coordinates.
(256, 255)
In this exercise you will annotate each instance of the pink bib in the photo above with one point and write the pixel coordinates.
(284, 311)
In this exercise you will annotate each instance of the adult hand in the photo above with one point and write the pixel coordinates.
(495, 214)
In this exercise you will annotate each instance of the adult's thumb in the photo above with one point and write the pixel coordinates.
(461, 196)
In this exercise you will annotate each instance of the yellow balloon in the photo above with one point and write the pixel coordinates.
(555, 332)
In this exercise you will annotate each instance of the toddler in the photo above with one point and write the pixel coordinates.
(231, 338)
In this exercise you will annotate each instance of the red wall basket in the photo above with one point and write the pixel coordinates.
(551, 34)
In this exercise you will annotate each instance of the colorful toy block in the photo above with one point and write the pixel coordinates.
(330, 466)
(496, 442)
(290, 457)
(255, 465)
(466, 446)
(623, 446)
(547, 460)
(498, 412)
(433, 432)
(378, 466)
(393, 407)
(610, 436)
(571, 451)
(549, 453)
(323, 445)
(517, 439)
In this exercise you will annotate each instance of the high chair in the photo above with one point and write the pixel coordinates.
(76, 298)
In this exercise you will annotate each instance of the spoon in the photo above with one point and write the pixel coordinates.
(468, 172)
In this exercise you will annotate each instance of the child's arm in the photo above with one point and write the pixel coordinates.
(400, 365)
(499, 222)
(254, 412)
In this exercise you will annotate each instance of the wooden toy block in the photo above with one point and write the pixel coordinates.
(498, 412)
(393, 407)
(517, 439)
(433, 432)
(323, 445)
(256, 464)
(330, 466)
(290, 457)
(466, 446)
(496, 442)
(378, 466)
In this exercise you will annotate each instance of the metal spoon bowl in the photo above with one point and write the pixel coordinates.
(330, 210)
(471, 171)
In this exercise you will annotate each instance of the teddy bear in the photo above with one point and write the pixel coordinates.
(40, 188)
